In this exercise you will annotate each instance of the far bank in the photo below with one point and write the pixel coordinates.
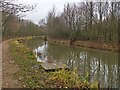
(88, 44)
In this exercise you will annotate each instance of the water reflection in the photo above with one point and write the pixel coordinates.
(101, 65)
(41, 52)
(103, 71)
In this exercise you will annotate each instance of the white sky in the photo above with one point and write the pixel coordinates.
(43, 7)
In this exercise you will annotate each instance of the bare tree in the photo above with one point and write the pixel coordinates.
(42, 22)
(72, 17)
(10, 8)
(102, 8)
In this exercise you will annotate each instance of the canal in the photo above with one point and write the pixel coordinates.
(98, 65)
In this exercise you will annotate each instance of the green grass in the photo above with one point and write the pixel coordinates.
(32, 74)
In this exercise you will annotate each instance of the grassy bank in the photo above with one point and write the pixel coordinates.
(32, 74)
(88, 44)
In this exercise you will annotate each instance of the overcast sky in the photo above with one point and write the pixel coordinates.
(43, 7)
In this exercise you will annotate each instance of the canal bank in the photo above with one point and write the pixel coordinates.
(88, 44)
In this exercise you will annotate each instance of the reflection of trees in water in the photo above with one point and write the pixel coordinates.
(34, 43)
(105, 73)
(42, 52)
(103, 65)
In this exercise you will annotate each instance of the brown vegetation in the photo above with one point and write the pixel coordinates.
(88, 44)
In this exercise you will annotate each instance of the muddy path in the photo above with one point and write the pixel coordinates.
(9, 68)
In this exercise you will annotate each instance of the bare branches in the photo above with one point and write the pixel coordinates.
(10, 8)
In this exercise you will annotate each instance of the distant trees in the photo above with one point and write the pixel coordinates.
(16, 27)
(56, 25)
(12, 25)
(10, 8)
(28, 28)
(94, 21)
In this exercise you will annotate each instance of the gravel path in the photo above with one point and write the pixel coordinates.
(9, 68)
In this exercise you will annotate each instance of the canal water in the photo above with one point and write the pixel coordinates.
(99, 65)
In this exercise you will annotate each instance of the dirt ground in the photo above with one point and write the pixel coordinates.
(9, 68)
